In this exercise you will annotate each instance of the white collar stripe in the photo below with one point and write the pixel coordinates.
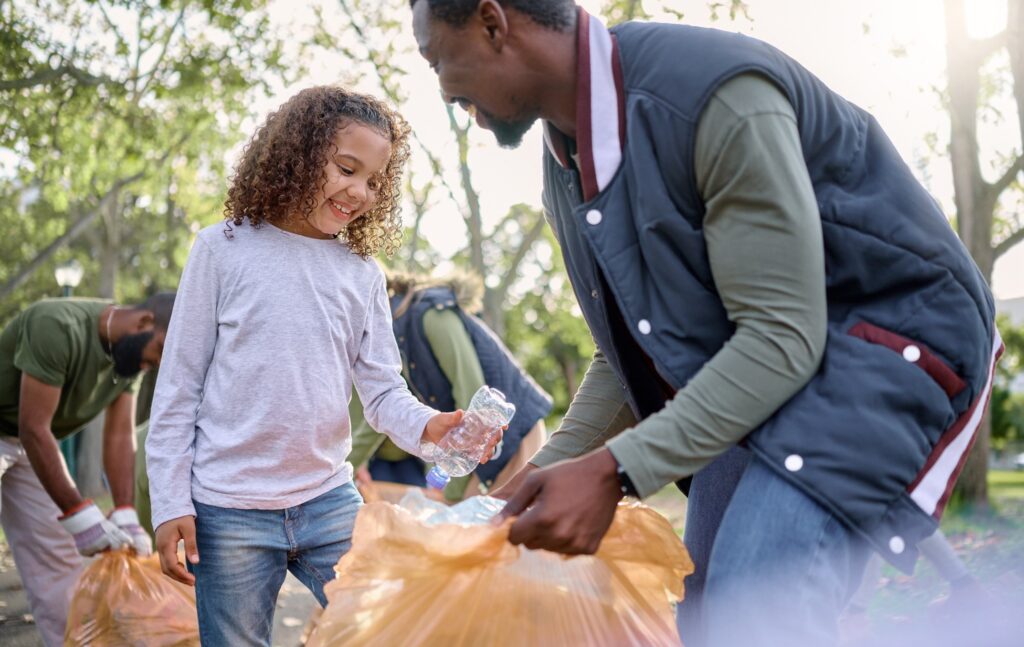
(600, 118)
(605, 144)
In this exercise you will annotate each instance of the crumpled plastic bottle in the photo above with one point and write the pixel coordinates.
(460, 451)
(474, 510)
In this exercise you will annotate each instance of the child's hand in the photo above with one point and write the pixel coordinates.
(167, 536)
(442, 423)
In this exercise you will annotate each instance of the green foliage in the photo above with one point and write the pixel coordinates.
(1007, 408)
(118, 115)
(544, 325)
(616, 11)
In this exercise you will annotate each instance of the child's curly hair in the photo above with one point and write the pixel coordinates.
(281, 168)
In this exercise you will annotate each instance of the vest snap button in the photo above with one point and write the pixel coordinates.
(912, 353)
(594, 217)
(439, 306)
(433, 399)
(644, 327)
(794, 462)
(412, 365)
(897, 545)
(593, 294)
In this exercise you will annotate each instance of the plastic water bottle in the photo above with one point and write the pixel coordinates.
(460, 451)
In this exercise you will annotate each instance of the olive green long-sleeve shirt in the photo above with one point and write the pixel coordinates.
(764, 240)
(450, 342)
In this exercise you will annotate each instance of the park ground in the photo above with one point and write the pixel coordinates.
(992, 544)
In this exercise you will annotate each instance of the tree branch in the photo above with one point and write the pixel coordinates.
(71, 234)
(512, 271)
(392, 94)
(82, 223)
(49, 75)
(1007, 243)
(1000, 185)
(111, 26)
(151, 74)
(982, 48)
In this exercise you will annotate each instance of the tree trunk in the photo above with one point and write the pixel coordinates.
(973, 204)
(569, 368)
(494, 314)
(90, 459)
(110, 251)
(973, 483)
(90, 450)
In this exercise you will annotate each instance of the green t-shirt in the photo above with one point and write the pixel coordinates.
(57, 342)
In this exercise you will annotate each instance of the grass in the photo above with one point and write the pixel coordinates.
(1006, 484)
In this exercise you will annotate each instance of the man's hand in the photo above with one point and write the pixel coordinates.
(439, 426)
(167, 537)
(566, 508)
(506, 491)
(93, 533)
(127, 519)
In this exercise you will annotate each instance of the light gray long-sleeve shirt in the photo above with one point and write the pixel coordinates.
(269, 333)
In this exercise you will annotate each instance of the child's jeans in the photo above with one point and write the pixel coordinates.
(243, 556)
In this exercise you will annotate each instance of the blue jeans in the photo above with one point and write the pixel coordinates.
(782, 567)
(710, 492)
(244, 555)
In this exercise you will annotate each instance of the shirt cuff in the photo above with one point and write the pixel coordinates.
(415, 445)
(633, 460)
(550, 454)
(173, 513)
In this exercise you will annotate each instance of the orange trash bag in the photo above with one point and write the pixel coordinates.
(414, 577)
(126, 601)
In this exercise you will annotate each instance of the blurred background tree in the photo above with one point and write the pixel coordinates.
(116, 117)
(119, 120)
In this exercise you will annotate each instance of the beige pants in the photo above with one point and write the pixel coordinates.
(530, 445)
(44, 553)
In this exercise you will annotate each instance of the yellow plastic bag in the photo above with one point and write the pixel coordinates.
(406, 582)
(126, 601)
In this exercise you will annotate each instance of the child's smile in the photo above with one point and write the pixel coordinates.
(356, 160)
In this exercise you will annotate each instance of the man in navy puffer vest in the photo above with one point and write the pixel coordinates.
(781, 311)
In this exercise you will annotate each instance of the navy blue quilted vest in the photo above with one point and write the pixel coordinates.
(910, 320)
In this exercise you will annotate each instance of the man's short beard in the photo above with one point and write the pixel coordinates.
(127, 353)
(509, 133)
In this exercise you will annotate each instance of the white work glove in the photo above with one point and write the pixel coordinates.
(93, 532)
(128, 520)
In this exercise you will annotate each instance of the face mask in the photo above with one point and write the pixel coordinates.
(127, 353)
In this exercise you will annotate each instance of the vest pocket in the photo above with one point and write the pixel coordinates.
(914, 352)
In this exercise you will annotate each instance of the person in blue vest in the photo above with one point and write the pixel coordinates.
(447, 354)
(782, 313)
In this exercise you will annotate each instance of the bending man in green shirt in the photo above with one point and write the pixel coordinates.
(62, 363)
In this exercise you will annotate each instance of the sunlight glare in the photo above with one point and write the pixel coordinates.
(985, 17)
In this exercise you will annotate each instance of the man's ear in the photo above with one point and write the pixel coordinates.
(495, 23)
(144, 321)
